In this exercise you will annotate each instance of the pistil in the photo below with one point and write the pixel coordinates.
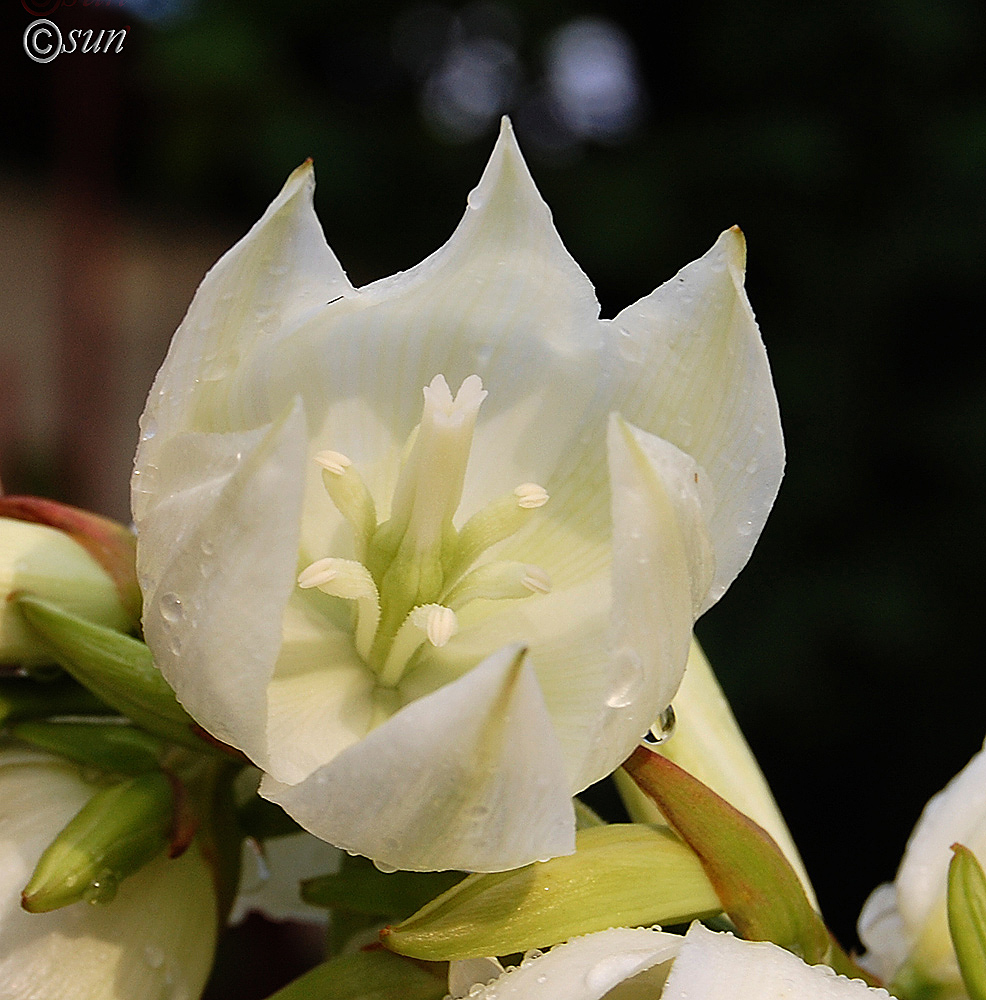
(415, 570)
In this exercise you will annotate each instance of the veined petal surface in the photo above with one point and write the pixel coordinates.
(280, 361)
(452, 779)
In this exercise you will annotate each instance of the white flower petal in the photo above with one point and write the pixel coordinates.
(321, 696)
(695, 373)
(217, 563)
(714, 966)
(470, 777)
(259, 291)
(156, 937)
(883, 933)
(588, 968)
(918, 901)
(662, 567)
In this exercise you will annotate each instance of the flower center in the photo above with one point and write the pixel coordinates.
(415, 570)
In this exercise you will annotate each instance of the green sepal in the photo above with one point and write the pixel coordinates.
(967, 918)
(368, 975)
(115, 667)
(111, 747)
(112, 836)
(27, 698)
(622, 875)
(759, 889)
(360, 887)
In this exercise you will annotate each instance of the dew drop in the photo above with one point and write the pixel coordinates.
(752, 466)
(745, 528)
(605, 974)
(207, 547)
(382, 866)
(148, 428)
(662, 730)
(630, 676)
(171, 608)
(102, 889)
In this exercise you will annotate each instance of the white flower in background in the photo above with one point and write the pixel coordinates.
(154, 939)
(638, 964)
(904, 924)
(432, 620)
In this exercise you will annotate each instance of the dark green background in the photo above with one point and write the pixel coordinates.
(849, 143)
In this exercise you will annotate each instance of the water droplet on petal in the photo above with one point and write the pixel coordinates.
(630, 674)
(605, 974)
(171, 608)
(745, 528)
(382, 866)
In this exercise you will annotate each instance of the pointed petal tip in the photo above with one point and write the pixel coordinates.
(733, 243)
(506, 177)
(301, 180)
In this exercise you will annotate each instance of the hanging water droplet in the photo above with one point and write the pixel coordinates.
(102, 889)
(382, 866)
(662, 730)
(171, 608)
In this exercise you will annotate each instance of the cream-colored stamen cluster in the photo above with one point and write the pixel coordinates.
(415, 570)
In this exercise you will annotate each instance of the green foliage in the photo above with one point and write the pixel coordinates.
(622, 875)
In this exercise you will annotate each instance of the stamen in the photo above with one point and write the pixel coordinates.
(350, 580)
(431, 622)
(348, 492)
(333, 461)
(530, 496)
(440, 624)
(498, 520)
(496, 581)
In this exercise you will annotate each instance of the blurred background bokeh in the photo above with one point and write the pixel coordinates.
(847, 140)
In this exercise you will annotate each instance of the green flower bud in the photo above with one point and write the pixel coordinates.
(612, 879)
(108, 746)
(39, 559)
(967, 918)
(117, 832)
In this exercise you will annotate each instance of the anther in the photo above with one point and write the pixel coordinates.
(333, 461)
(530, 496)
